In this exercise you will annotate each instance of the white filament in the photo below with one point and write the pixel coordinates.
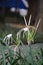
(25, 21)
(29, 20)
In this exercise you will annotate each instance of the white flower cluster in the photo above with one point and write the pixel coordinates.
(8, 39)
(26, 29)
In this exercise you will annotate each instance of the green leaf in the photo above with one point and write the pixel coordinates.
(3, 54)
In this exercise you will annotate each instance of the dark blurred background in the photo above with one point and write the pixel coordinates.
(35, 8)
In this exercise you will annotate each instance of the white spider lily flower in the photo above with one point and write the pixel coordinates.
(22, 30)
(25, 29)
(8, 38)
(9, 35)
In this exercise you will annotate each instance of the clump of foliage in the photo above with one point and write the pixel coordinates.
(9, 56)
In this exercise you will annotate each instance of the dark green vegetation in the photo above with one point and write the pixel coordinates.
(28, 55)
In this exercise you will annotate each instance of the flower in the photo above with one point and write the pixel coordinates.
(8, 38)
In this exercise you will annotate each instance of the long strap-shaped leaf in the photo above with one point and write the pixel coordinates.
(37, 27)
(3, 54)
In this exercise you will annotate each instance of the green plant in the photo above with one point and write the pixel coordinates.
(9, 58)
